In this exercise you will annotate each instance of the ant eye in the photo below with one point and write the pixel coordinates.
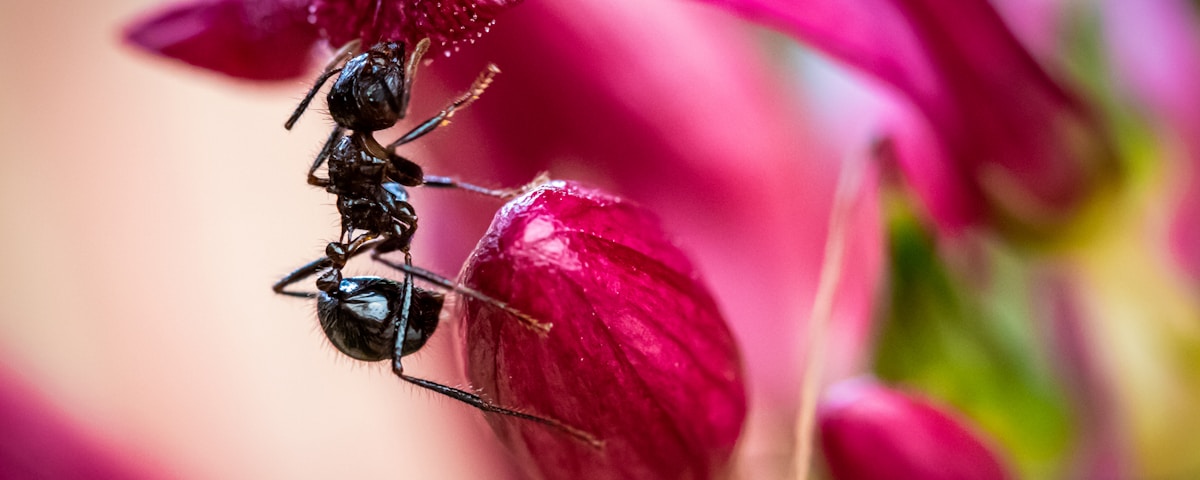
(375, 97)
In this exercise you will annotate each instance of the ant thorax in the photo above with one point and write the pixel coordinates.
(352, 168)
(369, 188)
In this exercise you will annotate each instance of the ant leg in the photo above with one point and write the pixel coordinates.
(478, 402)
(448, 182)
(501, 193)
(326, 150)
(477, 88)
(443, 282)
(461, 395)
(410, 72)
(330, 69)
(311, 268)
(308, 270)
(355, 247)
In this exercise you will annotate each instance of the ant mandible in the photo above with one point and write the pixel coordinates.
(374, 318)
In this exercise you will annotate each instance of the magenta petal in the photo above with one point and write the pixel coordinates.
(870, 431)
(638, 356)
(1009, 141)
(254, 40)
(38, 442)
(444, 21)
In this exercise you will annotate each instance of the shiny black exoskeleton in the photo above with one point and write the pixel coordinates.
(359, 318)
(372, 93)
(374, 318)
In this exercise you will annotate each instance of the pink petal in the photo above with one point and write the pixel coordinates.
(1155, 50)
(39, 442)
(1005, 141)
(373, 21)
(870, 431)
(1037, 23)
(639, 355)
(254, 40)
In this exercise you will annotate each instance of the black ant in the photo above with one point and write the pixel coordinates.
(373, 318)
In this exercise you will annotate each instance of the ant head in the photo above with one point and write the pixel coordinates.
(360, 317)
(371, 92)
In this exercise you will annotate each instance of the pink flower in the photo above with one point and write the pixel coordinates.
(870, 431)
(639, 356)
(1001, 141)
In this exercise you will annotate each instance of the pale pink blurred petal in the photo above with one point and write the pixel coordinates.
(40, 442)
(870, 431)
(1005, 142)
(1037, 23)
(1103, 450)
(1155, 48)
(846, 342)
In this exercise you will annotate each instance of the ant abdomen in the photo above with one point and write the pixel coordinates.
(360, 317)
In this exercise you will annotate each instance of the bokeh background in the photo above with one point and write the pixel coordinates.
(146, 210)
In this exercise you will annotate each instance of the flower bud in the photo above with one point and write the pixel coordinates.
(638, 357)
(870, 431)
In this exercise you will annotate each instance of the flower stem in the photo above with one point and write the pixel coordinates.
(849, 183)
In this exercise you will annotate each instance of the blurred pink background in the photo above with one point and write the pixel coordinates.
(147, 208)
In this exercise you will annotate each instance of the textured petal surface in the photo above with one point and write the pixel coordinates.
(263, 40)
(639, 355)
(444, 22)
(1005, 142)
(870, 431)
